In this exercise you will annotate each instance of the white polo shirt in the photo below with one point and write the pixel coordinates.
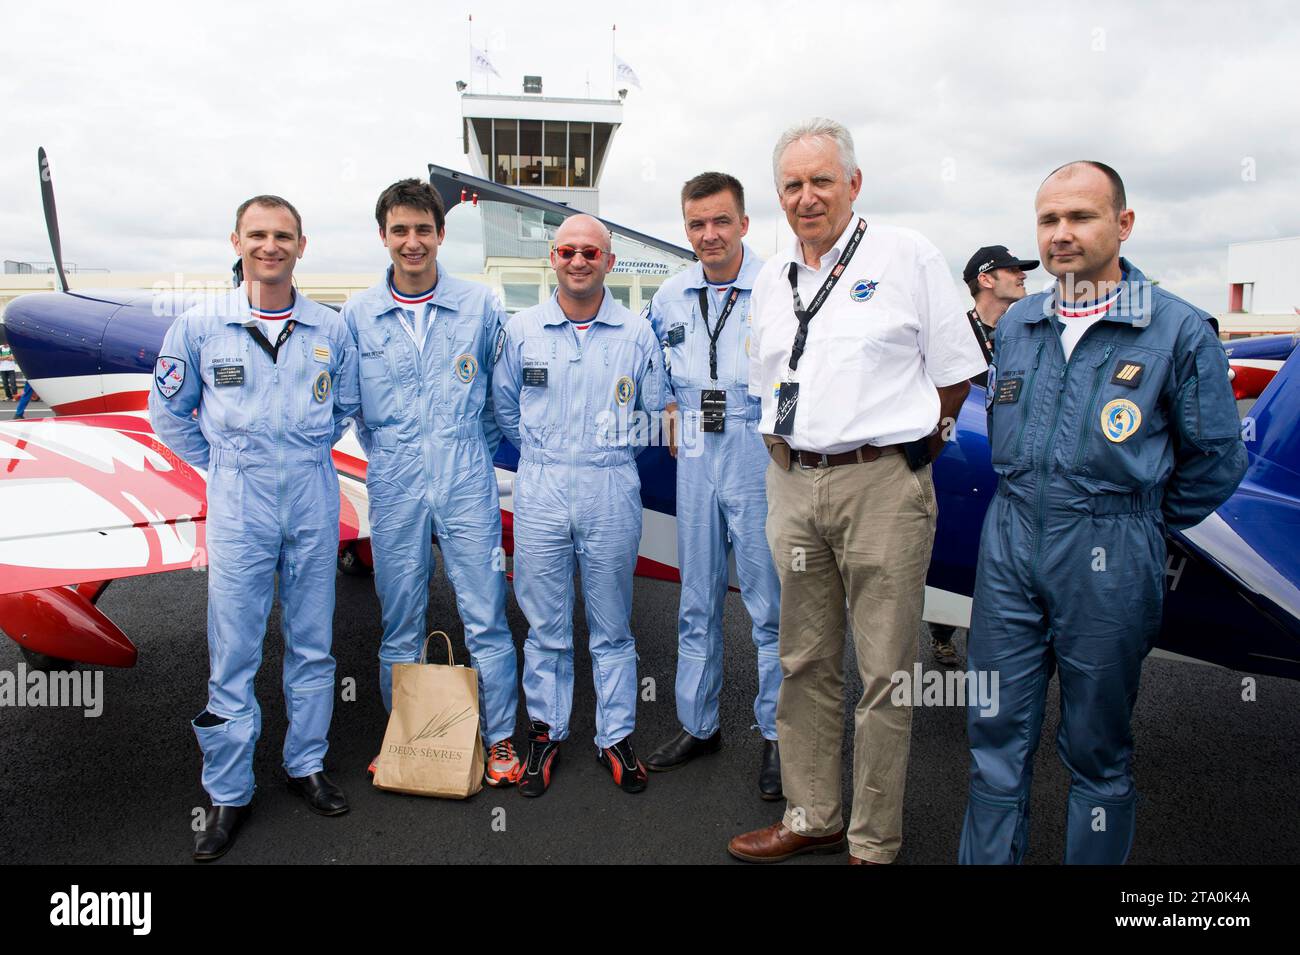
(891, 332)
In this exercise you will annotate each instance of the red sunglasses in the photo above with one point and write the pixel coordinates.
(590, 252)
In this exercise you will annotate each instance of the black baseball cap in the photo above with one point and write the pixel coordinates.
(995, 257)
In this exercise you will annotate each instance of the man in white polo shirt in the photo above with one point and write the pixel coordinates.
(859, 348)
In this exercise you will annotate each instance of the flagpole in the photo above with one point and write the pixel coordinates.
(613, 61)
(471, 52)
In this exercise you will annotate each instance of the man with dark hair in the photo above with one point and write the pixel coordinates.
(272, 376)
(427, 341)
(996, 280)
(1111, 420)
(701, 316)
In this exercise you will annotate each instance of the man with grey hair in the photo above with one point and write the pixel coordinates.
(860, 349)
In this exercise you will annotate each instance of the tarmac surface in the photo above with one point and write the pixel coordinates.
(1217, 774)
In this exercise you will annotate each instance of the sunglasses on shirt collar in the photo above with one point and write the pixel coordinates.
(589, 252)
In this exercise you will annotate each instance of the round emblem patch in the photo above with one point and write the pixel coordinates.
(862, 290)
(466, 368)
(624, 390)
(1120, 420)
(320, 389)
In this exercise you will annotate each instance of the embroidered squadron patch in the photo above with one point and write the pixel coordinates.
(320, 389)
(168, 375)
(1120, 420)
(501, 343)
(466, 368)
(862, 290)
(624, 390)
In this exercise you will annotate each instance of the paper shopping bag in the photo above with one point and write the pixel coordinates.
(432, 746)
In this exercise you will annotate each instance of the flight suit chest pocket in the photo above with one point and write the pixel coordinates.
(1123, 412)
(1011, 404)
(379, 399)
(313, 382)
(463, 369)
(541, 388)
(231, 394)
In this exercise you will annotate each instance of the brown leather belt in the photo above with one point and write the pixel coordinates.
(861, 455)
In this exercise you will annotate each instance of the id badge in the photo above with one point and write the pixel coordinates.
(713, 410)
(787, 398)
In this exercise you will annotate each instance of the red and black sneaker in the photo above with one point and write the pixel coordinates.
(623, 765)
(543, 753)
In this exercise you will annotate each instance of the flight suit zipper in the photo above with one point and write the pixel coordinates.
(1092, 398)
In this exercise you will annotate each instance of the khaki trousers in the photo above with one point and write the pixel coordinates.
(861, 531)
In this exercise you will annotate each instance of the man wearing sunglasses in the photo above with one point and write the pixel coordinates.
(573, 383)
(701, 315)
(426, 342)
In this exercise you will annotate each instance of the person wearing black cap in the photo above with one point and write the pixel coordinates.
(996, 280)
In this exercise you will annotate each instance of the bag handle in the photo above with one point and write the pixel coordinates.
(424, 652)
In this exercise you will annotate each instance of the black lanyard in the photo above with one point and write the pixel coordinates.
(714, 333)
(265, 345)
(981, 334)
(805, 315)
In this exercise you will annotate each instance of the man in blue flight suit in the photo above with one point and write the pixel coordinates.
(426, 342)
(701, 315)
(272, 375)
(1111, 418)
(576, 382)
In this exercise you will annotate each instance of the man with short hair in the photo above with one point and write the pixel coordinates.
(272, 376)
(1111, 419)
(8, 371)
(574, 382)
(996, 280)
(702, 317)
(859, 350)
(426, 342)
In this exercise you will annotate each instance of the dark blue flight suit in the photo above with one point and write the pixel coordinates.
(1096, 457)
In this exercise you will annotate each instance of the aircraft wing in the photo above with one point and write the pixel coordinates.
(97, 497)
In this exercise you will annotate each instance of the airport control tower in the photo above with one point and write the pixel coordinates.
(552, 146)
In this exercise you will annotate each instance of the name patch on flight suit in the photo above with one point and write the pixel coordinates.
(1008, 390)
(226, 376)
(1128, 373)
(676, 334)
(535, 376)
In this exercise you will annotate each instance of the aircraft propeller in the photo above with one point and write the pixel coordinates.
(51, 216)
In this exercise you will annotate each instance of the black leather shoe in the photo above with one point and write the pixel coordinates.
(322, 796)
(218, 834)
(681, 749)
(769, 774)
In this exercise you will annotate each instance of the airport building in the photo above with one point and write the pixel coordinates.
(1263, 288)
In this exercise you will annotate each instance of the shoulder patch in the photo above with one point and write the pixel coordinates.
(168, 375)
(501, 344)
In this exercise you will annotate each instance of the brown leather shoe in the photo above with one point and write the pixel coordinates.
(776, 843)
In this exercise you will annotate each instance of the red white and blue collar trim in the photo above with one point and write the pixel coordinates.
(420, 299)
(1088, 309)
(271, 315)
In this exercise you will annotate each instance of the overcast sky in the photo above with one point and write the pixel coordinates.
(160, 118)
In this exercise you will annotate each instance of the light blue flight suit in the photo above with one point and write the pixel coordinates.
(1096, 457)
(427, 427)
(576, 404)
(721, 498)
(263, 433)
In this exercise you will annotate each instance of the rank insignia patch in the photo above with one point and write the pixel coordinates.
(320, 388)
(1120, 420)
(1128, 373)
(169, 375)
(466, 368)
(321, 353)
(624, 390)
(862, 290)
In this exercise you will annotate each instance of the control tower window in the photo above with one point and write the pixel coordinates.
(603, 132)
(505, 164)
(556, 136)
(580, 154)
(530, 152)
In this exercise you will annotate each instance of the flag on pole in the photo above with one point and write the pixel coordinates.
(480, 62)
(624, 73)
